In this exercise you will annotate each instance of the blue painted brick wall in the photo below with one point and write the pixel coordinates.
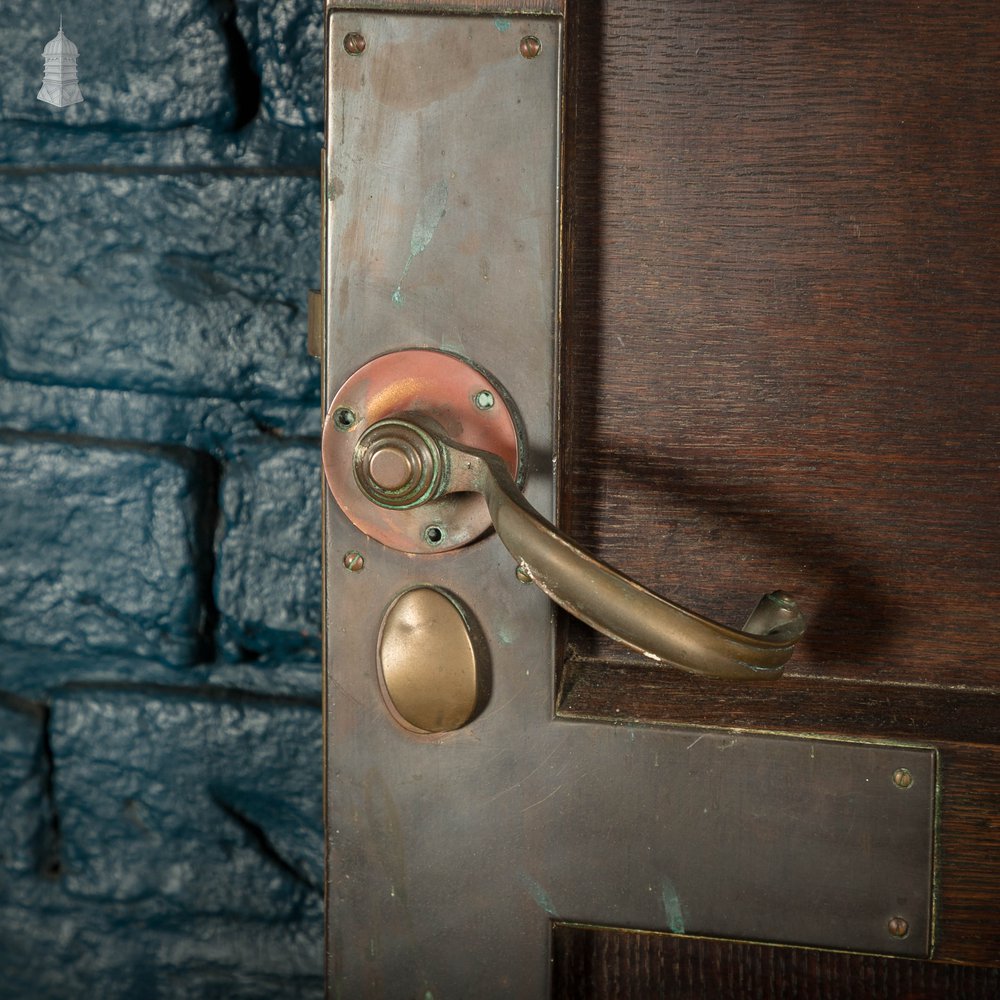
(160, 723)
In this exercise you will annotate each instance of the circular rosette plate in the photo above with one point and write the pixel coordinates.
(467, 404)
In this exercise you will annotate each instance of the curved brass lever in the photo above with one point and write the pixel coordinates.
(404, 462)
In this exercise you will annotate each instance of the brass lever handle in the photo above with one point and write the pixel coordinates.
(404, 462)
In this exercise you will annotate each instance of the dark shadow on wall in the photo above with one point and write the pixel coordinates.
(243, 71)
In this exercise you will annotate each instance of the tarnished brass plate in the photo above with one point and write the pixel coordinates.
(450, 855)
(467, 404)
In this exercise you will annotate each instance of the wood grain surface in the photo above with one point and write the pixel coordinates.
(782, 328)
(780, 370)
(591, 964)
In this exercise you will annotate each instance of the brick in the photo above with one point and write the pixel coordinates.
(100, 547)
(268, 579)
(154, 66)
(208, 806)
(200, 424)
(36, 673)
(164, 85)
(53, 947)
(189, 285)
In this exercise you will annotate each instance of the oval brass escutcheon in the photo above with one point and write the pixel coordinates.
(429, 670)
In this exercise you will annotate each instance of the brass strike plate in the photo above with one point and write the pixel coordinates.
(450, 854)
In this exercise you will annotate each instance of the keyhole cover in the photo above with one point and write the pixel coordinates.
(431, 668)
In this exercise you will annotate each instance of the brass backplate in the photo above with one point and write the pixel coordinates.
(450, 855)
(462, 400)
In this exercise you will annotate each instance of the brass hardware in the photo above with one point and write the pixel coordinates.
(399, 467)
(902, 778)
(314, 328)
(392, 492)
(344, 418)
(586, 587)
(429, 670)
(898, 927)
(687, 824)
(354, 561)
(395, 469)
(354, 43)
(390, 467)
(530, 46)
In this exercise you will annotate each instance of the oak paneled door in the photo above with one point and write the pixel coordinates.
(774, 318)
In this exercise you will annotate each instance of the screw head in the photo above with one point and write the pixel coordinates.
(898, 927)
(354, 561)
(354, 43)
(523, 573)
(902, 778)
(344, 418)
(484, 399)
(530, 46)
(434, 534)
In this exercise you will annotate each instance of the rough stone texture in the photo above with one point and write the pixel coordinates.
(201, 424)
(26, 818)
(36, 673)
(100, 548)
(58, 151)
(160, 762)
(192, 285)
(210, 803)
(190, 848)
(268, 562)
(287, 40)
(197, 82)
(156, 65)
(54, 948)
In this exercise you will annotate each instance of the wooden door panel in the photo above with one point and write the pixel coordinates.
(781, 350)
(778, 369)
(591, 964)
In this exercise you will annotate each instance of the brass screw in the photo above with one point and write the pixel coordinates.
(898, 927)
(902, 778)
(354, 561)
(530, 46)
(434, 534)
(344, 418)
(523, 573)
(354, 43)
(483, 399)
